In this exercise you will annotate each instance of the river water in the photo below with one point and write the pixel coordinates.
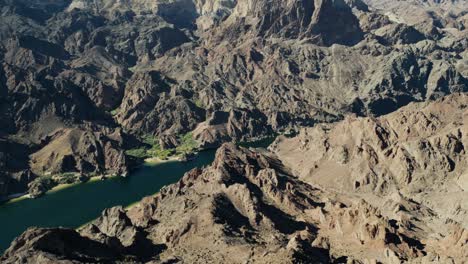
(81, 203)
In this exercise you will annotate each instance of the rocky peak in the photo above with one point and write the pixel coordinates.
(296, 19)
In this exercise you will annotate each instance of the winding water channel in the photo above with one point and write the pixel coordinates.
(79, 204)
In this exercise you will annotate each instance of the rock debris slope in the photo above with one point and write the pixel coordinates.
(364, 190)
(223, 70)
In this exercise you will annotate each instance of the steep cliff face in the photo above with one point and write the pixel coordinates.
(322, 22)
(226, 70)
(358, 191)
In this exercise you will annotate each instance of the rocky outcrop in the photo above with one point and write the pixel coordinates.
(150, 105)
(298, 19)
(77, 150)
(168, 142)
(237, 125)
(364, 190)
(48, 243)
(63, 156)
(14, 172)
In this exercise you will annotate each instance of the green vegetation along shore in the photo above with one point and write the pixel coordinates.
(153, 149)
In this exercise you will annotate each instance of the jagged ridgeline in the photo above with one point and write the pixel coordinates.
(83, 83)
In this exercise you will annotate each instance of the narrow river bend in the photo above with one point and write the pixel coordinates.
(79, 204)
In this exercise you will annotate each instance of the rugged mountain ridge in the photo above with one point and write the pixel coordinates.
(298, 202)
(223, 70)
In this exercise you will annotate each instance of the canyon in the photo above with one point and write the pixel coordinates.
(379, 193)
(368, 98)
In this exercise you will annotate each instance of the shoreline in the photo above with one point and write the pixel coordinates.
(16, 197)
(148, 161)
(156, 160)
(59, 187)
(125, 208)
